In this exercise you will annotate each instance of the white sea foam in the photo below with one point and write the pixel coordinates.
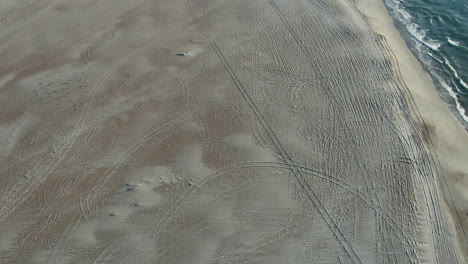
(413, 29)
(398, 10)
(422, 43)
(403, 13)
(458, 105)
(455, 73)
(453, 42)
(434, 57)
(420, 36)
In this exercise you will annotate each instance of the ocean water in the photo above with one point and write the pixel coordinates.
(437, 32)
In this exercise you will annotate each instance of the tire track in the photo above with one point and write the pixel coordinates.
(35, 182)
(339, 38)
(432, 155)
(91, 197)
(343, 241)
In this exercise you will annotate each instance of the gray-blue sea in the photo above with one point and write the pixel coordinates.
(437, 32)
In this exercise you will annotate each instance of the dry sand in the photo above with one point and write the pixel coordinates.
(203, 131)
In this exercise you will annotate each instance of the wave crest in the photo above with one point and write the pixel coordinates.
(453, 42)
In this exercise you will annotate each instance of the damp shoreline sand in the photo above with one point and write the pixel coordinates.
(447, 138)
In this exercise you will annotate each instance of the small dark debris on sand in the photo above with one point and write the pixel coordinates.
(130, 187)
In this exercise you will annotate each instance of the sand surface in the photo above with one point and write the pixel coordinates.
(203, 131)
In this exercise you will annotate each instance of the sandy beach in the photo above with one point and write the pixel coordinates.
(202, 131)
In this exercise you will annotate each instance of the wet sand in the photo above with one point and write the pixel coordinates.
(202, 131)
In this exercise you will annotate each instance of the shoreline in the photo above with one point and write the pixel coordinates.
(447, 138)
(445, 92)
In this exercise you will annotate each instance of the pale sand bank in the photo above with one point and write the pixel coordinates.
(219, 131)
